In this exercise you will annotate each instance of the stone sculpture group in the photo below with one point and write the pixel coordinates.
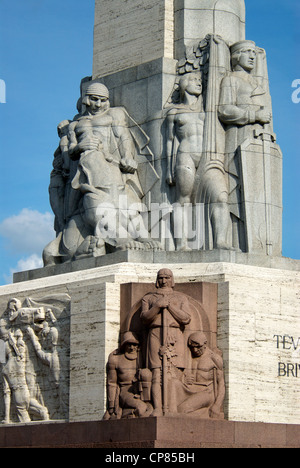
(167, 367)
(220, 151)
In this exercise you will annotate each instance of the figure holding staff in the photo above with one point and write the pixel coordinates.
(166, 313)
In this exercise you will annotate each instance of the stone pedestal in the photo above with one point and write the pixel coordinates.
(257, 331)
(154, 433)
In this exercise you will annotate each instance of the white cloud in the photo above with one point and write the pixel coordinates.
(25, 236)
(30, 263)
(28, 232)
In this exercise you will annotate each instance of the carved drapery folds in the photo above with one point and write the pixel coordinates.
(34, 356)
(165, 363)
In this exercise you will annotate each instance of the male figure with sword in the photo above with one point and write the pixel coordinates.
(166, 313)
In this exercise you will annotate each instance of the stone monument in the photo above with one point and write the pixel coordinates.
(167, 193)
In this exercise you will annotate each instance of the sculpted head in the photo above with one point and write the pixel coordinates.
(243, 56)
(96, 98)
(190, 83)
(197, 343)
(130, 346)
(13, 308)
(165, 279)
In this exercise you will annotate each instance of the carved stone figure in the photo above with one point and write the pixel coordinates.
(238, 147)
(210, 187)
(128, 386)
(106, 144)
(165, 313)
(15, 384)
(185, 123)
(105, 187)
(243, 100)
(250, 149)
(59, 174)
(31, 334)
(203, 383)
(165, 363)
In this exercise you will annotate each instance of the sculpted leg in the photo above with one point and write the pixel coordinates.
(198, 401)
(185, 178)
(156, 392)
(217, 194)
(221, 223)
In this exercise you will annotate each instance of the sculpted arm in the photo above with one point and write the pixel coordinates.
(148, 313)
(126, 144)
(220, 386)
(112, 382)
(74, 150)
(229, 112)
(45, 357)
(181, 314)
(232, 114)
(88, 142)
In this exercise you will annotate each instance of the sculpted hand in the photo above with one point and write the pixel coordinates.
(162, 303)
(261, 51)
(263, 116)
(128, 165)
(215, 412)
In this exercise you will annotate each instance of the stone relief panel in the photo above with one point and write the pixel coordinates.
(34, 359)
(166, 363)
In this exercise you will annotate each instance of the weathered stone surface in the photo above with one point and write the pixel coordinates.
(195, 19)
(127, 34)
(151, 433)
(257, 307)
(167, 361)
(213, 256)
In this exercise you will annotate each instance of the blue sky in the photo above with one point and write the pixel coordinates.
(46, 49)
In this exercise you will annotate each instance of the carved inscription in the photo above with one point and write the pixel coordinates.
(289, 368)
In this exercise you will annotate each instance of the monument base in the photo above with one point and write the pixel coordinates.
(257, 331)
(163, 258)
(158, 433)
